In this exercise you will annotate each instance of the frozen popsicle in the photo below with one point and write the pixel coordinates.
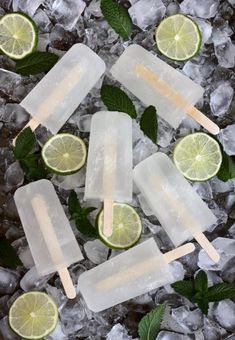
(179, 209)
(109, 163)
(47, 229)
(156, 83)
(58, 94)
(132, 273)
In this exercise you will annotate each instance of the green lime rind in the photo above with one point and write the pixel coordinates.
(198, 157)
(29, 45)
(188, 43)
(33, 315)
(127, 227)
(54, 157)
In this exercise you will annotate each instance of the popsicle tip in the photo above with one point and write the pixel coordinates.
(215, 130)
(108, 232)
(71, 294)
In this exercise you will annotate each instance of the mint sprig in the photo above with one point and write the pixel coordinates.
(117, 100)
(148, 123)
(150, 324)
(198, 292)
(227, 169)
(30, 162)
(79, 215)
(8, 255)
(36, 62)
(117, 16)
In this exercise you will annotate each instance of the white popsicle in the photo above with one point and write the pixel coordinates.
(109, 163)
(48, 232)
(58, 94)
(179, 209)
(132, 273)
(156, 83)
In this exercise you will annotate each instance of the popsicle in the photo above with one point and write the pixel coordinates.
(47, 229)
(156, 83)
(61, 90)
(179, 209)
(109, 163)
(125, 276)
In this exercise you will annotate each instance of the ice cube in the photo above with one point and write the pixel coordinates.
(221, 99)
(172, 8)
(166, 335)
(143, 149)
(118, 332)
(226, 137)
(205, 28)
(26, 6)
(191, 321)
(225, 248)
(147, 13)
(225, 53)
(96, 251)
(14, 176)
(67, 12)
(228, 271)
(9, 280)
(70, 182)
(224, 314)
(200, 8)
(32, 281)
(5, 330)
(57, 334)
(71, 316)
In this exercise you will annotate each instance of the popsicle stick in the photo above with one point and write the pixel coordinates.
(108, 217)
(179, 252)
(50, 238)
(33, 124)
(67, 283)
(207, 246)
(55, 97)
(162, 87)
(109, 176)
(187, 220)
(142, 268)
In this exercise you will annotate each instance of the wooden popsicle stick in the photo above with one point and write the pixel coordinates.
(69, 288)
(108, 217)
(175, 97)
(207, 246)
(187, 220)
(33, 124)
(109, 176)
(55, 97)
(50, 238)
(144, 267)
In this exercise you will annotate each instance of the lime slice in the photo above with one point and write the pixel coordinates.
(127, 227)
(64, 153)
(178, 37)
(198, 156)
(33, 315)
(18, 35)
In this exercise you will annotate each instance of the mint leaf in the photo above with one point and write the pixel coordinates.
(24, 143)
(201, 282)
(32, 166)
(221, 291)
(227, 169)
(117, 100)
(117, 16)
(150, 324)
(36, 62)
(148, 123)
(203, 304)
(79, 215)
(185, 288)
(8, 254)
(73, 203)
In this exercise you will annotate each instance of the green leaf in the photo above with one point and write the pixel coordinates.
(33, 167)
(150, 324)
(148, 123)
(117, 100)
(185, 288)
(203, 305)
(227, 169)
(221, 291)
(85, 227)
(24, 143)
(117, 16)
(36, 62)
(73, 203)
(201, 282)
(8, 254)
